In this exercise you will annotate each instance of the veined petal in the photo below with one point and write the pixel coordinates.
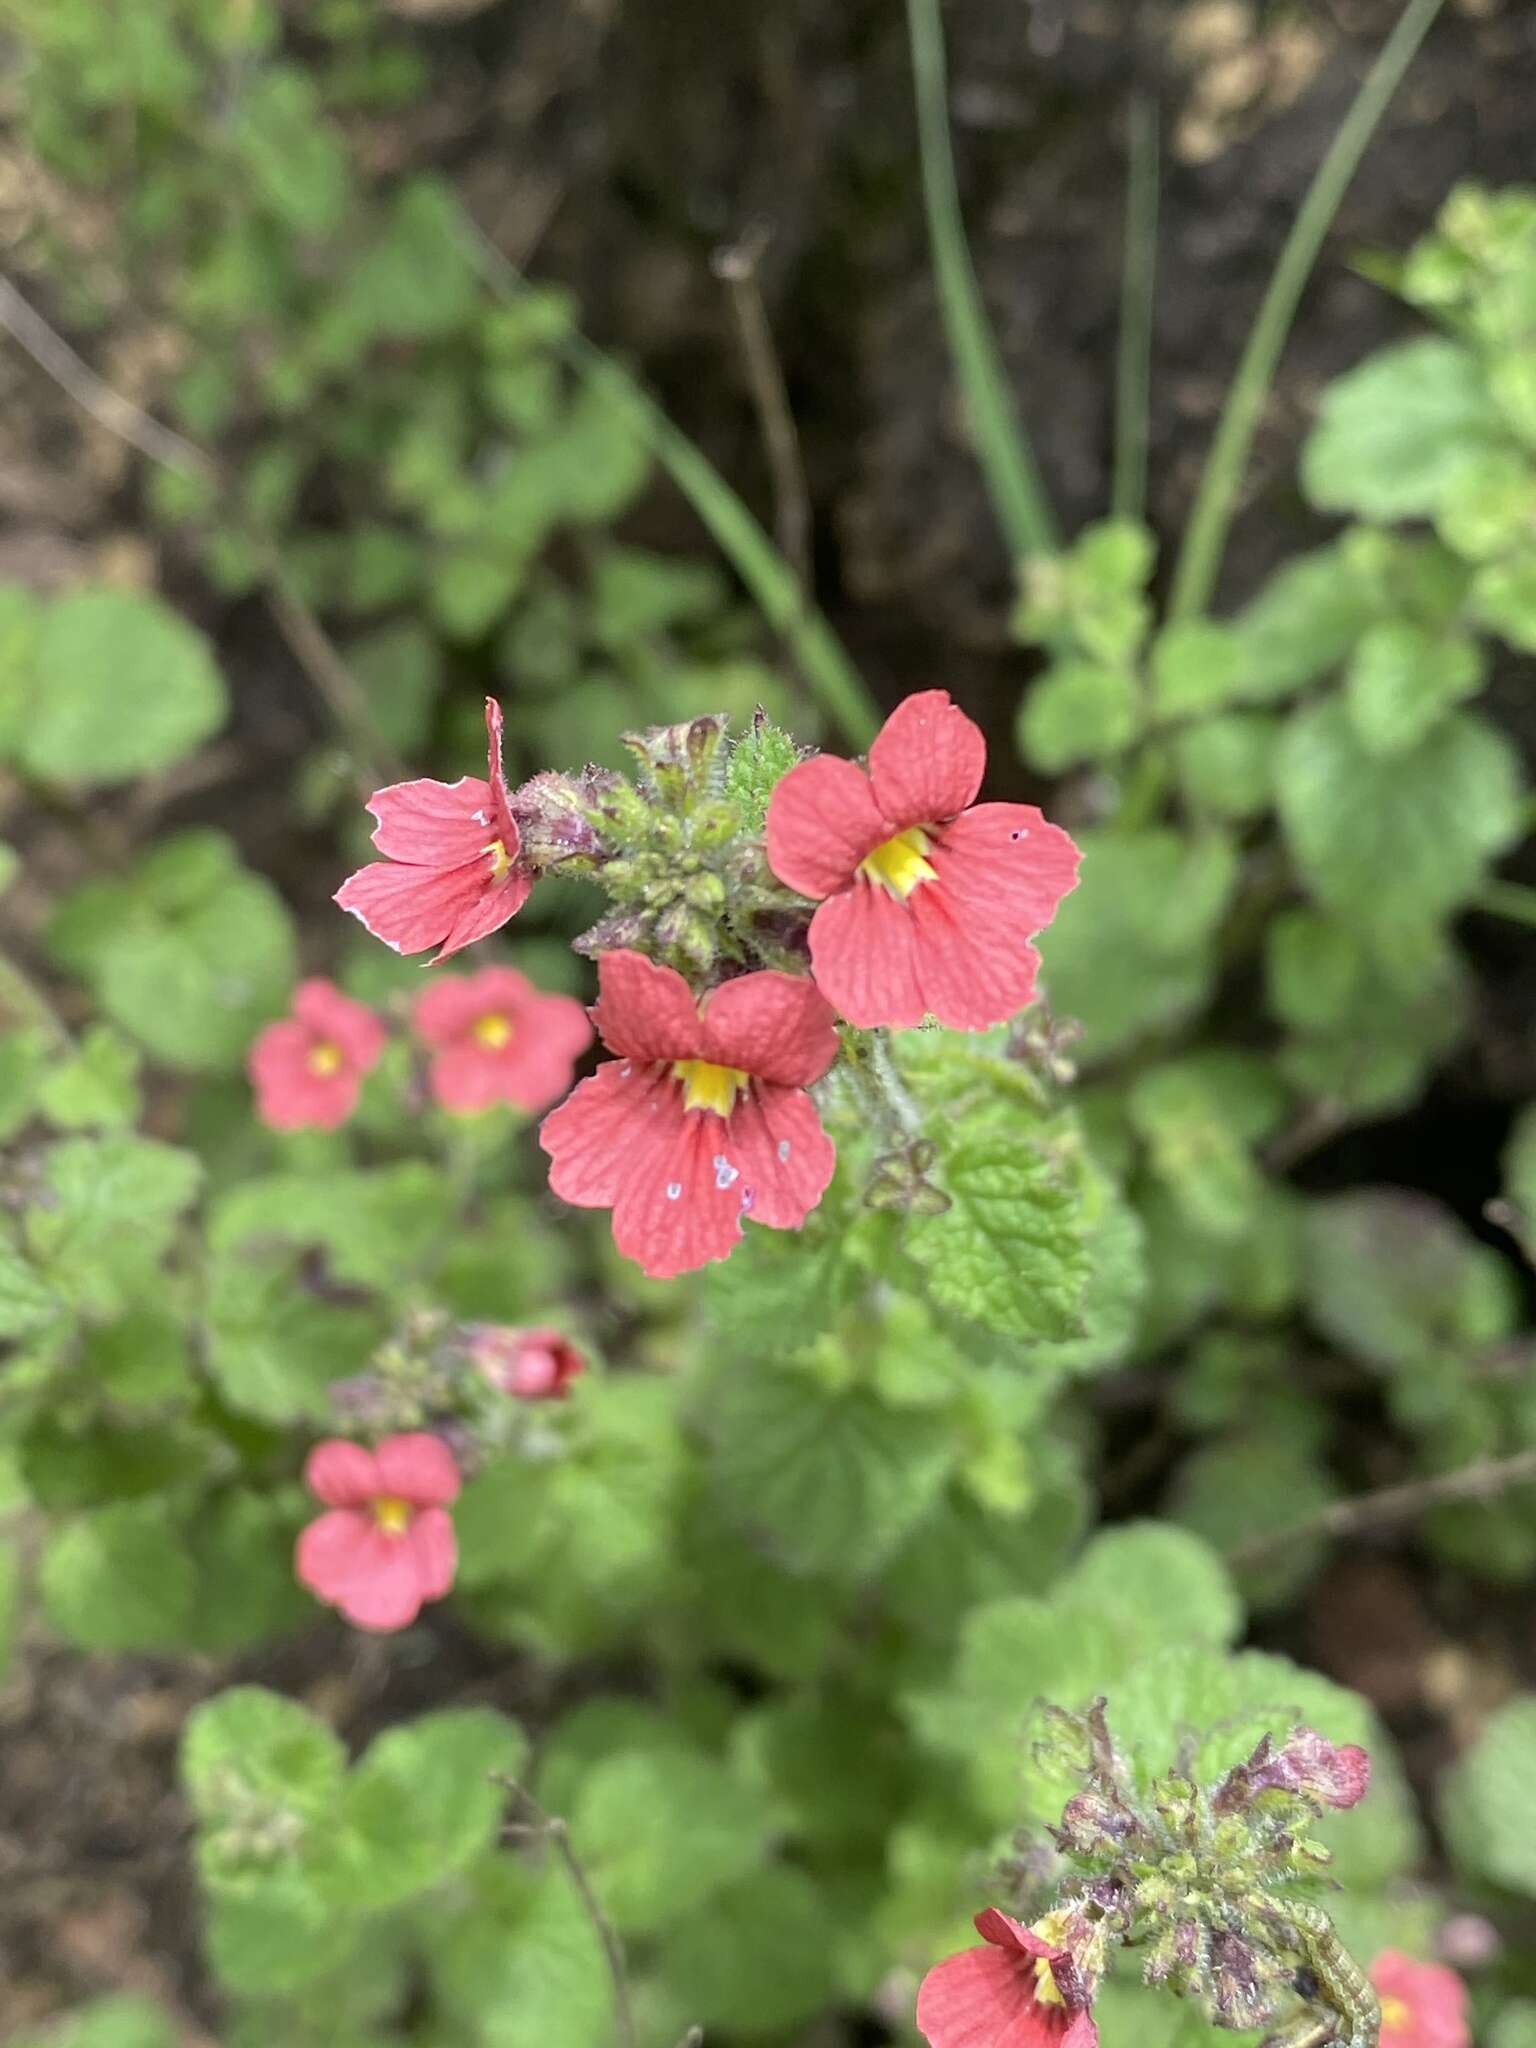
(417, 1467)
(680, 1207)
(927, 761)
(501, 802)
(974, 972)
(338, 1020)
(448, 1008)
(1008, 863)
(645, 1012)
(864, 957)
(596, 1134)
(822, 820)
(342, 1474)
(777, 1026)
(983, 1998)
(502, 898)
(775, 1141)
(434, 824)
(413, 908)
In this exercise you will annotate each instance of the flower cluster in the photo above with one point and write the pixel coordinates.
(740, 931)
(437, 1398)
(1209, 1884)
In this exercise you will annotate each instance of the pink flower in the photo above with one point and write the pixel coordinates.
(499, 1039)
(928, 899)
(535, 1365)
(1020, 1991)
(308, 1068)
(387, 1544)
(1423, 2005)
(452, 874)
(703, 1118)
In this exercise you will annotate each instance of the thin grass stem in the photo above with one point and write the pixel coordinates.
(1002, 444)
(1133, 369)
(1205, 537)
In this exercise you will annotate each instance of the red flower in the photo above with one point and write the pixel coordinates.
(307, 1069)
(928, 899)
(703, 1118)
(1423, 2005)
(535, 1365)
(387, 1544)
(1020, 1991)
(452, 873)
(499, 1039)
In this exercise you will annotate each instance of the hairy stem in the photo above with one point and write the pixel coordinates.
(550, 1828)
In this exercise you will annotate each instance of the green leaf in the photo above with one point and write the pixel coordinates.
(95, 1088)
(295, 166)
(1090, 600)
(28, 1302)
(415, 282)
(1246, 1488)
(1393, 1277)
(756, 763)
(119, 1579)
(274, 1347)
(1196, 667)
(264, 1777)
(276, 1939)
(1314, 968)
(1394, 845)
(1130, 950)
(661, 1832)
(400, 668)
(1403, 680)
(1303, 623)
(190, 953)
(121, 687)
(1008, 1252)
(109, 1215)
(420, 1803)
(1489, 1803)
(636, 594)
(1504, 599)
(123, 2021)
(521, 1962)
(1393, 435)
(1175, 1584)
(1198, 1119)
(1078, 711)
(757, 1958)
(26, 1054)
(1226, 766)
(829, 1479)
(1489, 507)
(376, 1226)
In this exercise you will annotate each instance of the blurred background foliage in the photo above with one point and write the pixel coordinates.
(762, 1611)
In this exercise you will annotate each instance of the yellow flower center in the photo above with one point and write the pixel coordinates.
(493, 1032)
(1395, 2015)
(325, 1059)
(899, 864)
(706, 1086)
(501, 860)
(1051, 1929)
(392, 1514)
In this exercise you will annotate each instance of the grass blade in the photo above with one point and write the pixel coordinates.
(1133, 369)
(1205, 537)
(1002, 445)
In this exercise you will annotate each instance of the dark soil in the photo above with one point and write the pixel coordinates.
(616, 149)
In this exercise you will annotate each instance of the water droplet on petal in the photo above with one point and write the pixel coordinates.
(784, 1148)
(626, 1070)
(725, 1173)
(674, 1189)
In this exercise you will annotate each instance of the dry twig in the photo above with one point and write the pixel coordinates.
(737, 268)
(1482, 1481)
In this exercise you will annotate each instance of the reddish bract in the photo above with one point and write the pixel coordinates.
(1003, 1995)
(452, 874)
(307, 1069)
(1423, 2005)
(703, 1119)
(387, 1545)
(928, 899)
(497, 1038)
(535, 1365)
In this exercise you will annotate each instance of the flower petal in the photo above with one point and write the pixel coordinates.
(466, 1078)
(983, 1998)
(337, 1020)
(434, 824)
(679, 1208)
(973, 973)
(559, 1023)
(500, 902)
(333, 1550)
(387, 1592)
(448, 1008)
(645, 1012)
(595, 1134)
(1008, 863)
(775, 1141)
(290, 1095)
(822, 820)
(1001, 1929)
(412, 908)
(777, 1026)
(927, 761)
(417, 1467)
(436, 1551)
(342, 1474)
(864, 957)
(501, 802)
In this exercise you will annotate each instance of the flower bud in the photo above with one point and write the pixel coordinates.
(558, 816)
(678, 760)
(1307, 1766)
(532, 1364)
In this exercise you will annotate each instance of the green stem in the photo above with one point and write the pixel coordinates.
(1514, 900)
(822, 659)
(1133, 372)
(1206, 536)
(1013, 479)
